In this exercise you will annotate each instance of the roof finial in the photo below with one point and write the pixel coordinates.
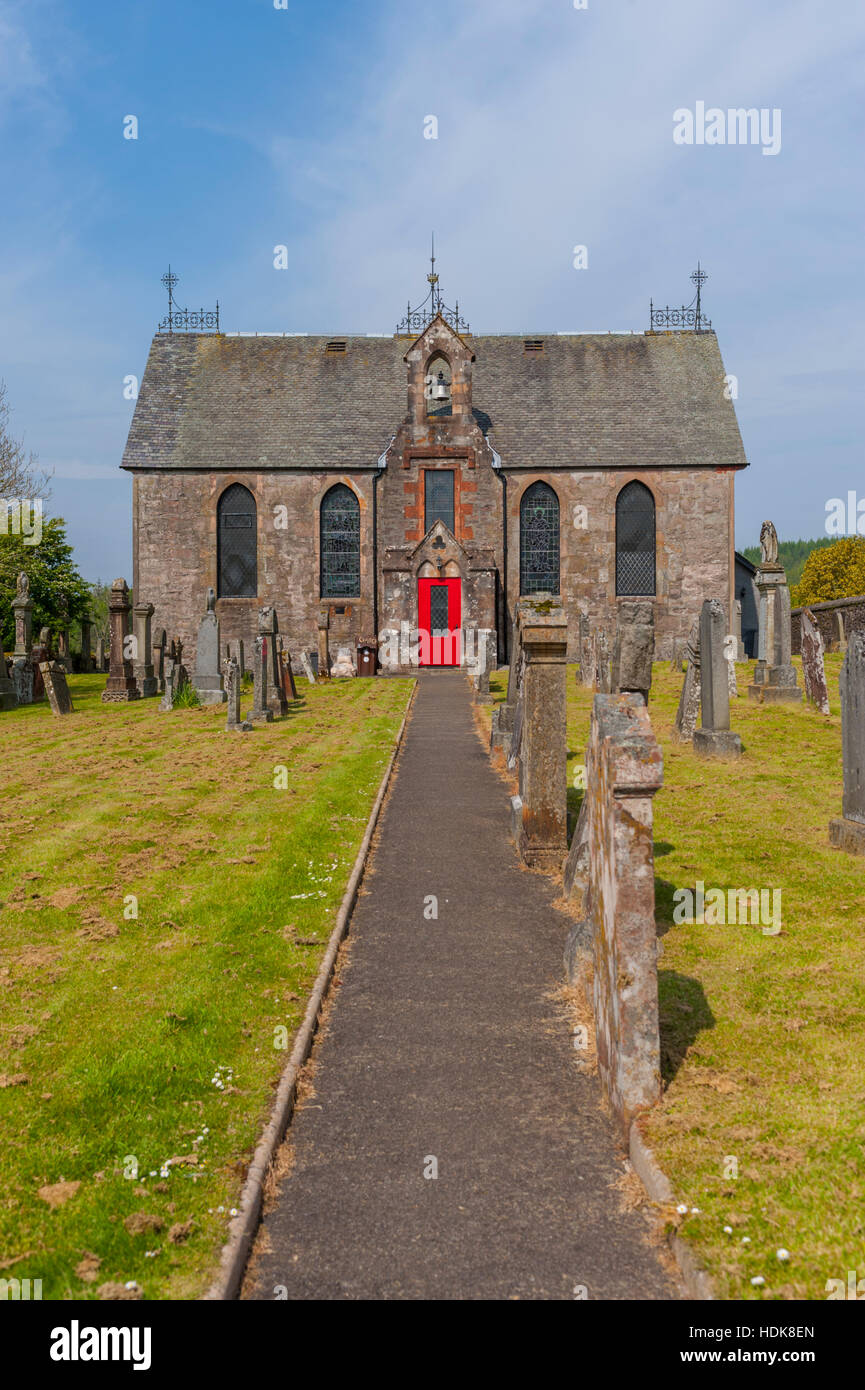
(432, 277)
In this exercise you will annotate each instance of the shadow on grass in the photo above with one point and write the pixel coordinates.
(684, 1014)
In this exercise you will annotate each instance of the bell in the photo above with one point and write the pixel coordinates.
(440, 392)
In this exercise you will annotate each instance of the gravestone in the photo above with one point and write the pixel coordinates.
(715, 739)
(848, 832)
(676, 658)
(634, 650)
(774, 675)
(235, 651)
(737, 631)
(813, 669)
(539, 811)
(207, 678)
(160, 648)
(261, 712)
(689, 700)
(732, 683)
(64, 654)
(231, 672)
(41, 652)
(86, 653)
(285, 671)
(841, 632)
(100, 654)
(8, 696)
(323, 668)
(504, 714)
(343, 666)
(486, 659)
(268, 628)
(142, 665)
(22, 661)
(120, 686)
(173, 682)
(602, 676)
(54, 677)
(586, 675)
(306, 667)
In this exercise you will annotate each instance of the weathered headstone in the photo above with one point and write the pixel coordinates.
(120, 686)
(268, 628)
(737, 631)
(142, 665)
(64, 654)
(235, 650)
(41, 652)
(54, 677)
(231, 672)
(841, 631)
(22, 663)
(343, 666)
(323, 668)
(609, 875)
(306, 667)
(602, 677)
(774, 675)
(539, 811)
(715, 739)
(587, 660)
(813, 669)
(160, 650)
(848, 832)
(676, 658)
(8, 695)
(261, 712)
(101, 658)
(504, 715)
(689, 700)
(485, 657)
(732, 683)
(207, 677)
(634, 649)
(286, 674)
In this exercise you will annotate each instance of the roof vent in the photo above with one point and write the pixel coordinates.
(533, 344)
(338, 345)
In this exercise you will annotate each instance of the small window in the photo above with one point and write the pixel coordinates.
(439, 498)
(533, 344)
(338, 345)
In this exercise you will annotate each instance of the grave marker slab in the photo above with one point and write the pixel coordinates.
(848, 832)
(715, 739)
(54, 677)
(142, 665)
(231, 672)
(207, 678)
(261, 712)
(813, 668)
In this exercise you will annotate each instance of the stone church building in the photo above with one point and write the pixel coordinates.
(425, 481)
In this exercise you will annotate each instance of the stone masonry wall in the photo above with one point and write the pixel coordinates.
(175, 563)
(851, 611)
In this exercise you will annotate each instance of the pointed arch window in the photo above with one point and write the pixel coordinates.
(340, 543)
(236, 543)
(539, 540)
(635, 540)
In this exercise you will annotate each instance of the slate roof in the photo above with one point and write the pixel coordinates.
(586, 401)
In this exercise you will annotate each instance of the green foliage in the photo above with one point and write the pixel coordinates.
(791, 554)
(186, 697)
(55, 584)
(833, 571)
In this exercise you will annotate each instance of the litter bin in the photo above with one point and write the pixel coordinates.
(366, 658)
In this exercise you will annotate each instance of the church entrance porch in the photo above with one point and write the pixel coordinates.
(439, 603)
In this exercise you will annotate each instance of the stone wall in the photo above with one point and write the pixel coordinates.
(850, 611)
(174, 544)
(610, 875)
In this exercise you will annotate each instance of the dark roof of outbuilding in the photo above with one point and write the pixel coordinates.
(584, 401)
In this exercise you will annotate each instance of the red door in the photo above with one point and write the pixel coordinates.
(439, 606)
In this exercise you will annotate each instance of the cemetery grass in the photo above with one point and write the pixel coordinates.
(151, 1045)
(761, 1035)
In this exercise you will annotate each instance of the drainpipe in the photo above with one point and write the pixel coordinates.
(503, 615)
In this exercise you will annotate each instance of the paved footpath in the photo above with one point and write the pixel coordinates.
(442, 1042)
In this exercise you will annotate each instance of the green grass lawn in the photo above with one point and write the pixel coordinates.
(761, 1035)
(163, 912)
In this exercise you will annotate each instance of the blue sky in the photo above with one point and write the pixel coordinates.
(304, 127)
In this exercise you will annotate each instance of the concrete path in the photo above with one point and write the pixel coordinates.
(443, 1043)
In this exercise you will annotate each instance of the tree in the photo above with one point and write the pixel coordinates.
(20, 475)
(833, 571)
(60, 595)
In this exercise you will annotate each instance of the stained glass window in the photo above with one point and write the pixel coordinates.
(539, 540)
(635, 540)
(439, 497)
(236, 544)
(340, 543)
